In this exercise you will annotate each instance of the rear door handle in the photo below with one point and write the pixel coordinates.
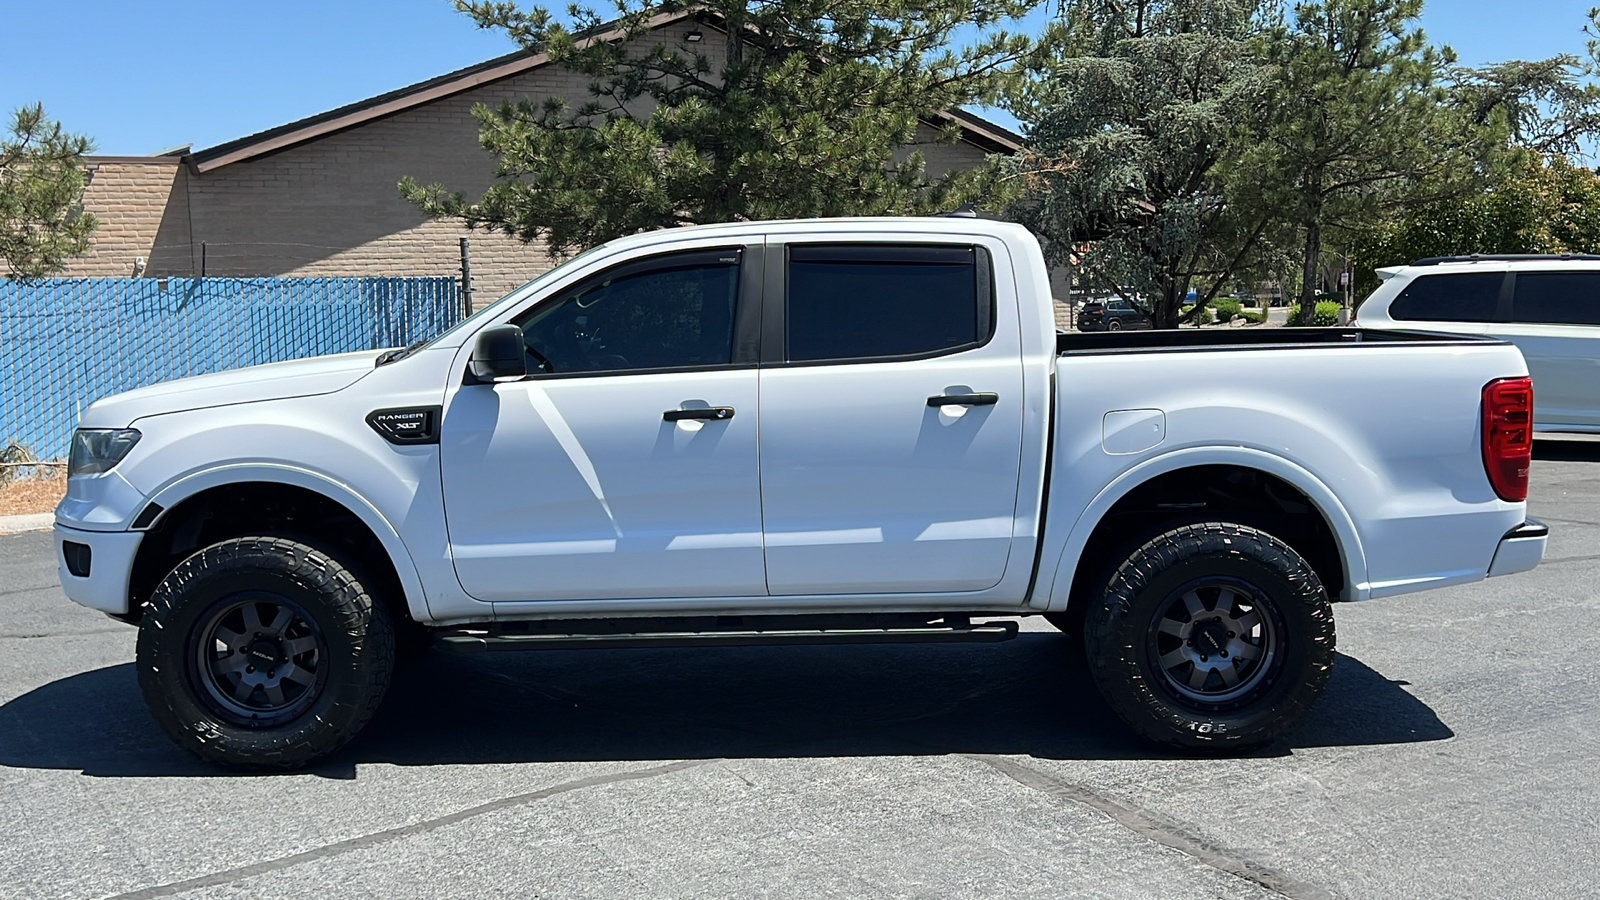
(985, 399)
(713, 413)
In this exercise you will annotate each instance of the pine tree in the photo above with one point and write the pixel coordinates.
(42, 179)
(784, 109)
(1362, 125)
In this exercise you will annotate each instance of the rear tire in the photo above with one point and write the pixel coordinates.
(1213, 638)
(263, 653)
(1113, 324)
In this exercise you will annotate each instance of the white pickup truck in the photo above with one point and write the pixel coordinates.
(835, 430)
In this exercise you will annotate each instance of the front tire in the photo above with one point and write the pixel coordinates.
(1213, 638)
(263, 652)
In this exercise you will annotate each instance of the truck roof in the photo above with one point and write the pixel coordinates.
(843, 224)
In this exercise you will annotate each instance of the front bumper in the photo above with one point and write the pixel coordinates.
(1521, 549)
(104, 586)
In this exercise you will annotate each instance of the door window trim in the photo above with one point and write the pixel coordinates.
(747, 307)
(775, 305)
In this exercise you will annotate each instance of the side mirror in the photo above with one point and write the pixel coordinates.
(498, 354)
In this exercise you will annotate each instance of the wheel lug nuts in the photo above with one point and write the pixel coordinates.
(1230, 634)
(1224, 656)
(250, 669)
(1202, 657)
(273, 674)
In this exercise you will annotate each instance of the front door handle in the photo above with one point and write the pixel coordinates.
(985, 399)
(714, 413)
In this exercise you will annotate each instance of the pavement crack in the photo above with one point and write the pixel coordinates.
(365, 841)
(1164, 833)
(30, 590)
(34, 635)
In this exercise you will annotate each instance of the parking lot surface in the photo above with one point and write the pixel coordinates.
(1452, 756)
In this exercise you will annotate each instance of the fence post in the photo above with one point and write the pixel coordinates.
(202, 259)
(466, 279)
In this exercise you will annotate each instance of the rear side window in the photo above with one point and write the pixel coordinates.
(874, 301)
(1460, 297)
(1557, 298)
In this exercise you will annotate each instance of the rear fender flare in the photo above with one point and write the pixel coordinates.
(1322, 497)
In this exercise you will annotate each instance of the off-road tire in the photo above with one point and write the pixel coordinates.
(1125, 622)
(353, 660)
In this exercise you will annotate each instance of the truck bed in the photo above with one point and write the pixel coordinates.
(1247, 338)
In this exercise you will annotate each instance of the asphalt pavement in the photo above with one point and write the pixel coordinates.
(1452, 756)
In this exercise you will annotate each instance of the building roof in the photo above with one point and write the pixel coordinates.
(976, 130)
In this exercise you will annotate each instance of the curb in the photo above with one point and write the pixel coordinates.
(34, 522)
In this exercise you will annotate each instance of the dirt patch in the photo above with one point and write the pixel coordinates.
(39, 494)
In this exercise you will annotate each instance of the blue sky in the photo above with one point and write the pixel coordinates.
(140, 77)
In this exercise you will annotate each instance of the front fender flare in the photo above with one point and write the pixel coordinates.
(1321, 496)
(183, 488)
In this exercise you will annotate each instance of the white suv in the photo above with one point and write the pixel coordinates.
(1549, 306)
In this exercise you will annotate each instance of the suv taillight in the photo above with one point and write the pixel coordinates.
(1508, 436)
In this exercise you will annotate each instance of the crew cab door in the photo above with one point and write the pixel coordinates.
(891, 416)
(624, 465)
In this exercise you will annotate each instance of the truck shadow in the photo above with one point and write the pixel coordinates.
(1030, 696)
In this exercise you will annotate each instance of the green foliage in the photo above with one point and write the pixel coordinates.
(1227, 309)
(1132, 107)
(1189, 316)
(42, 179)
(1361, 125)
(785, 109)
(1326, 312)
(1253, 317)
(1534, 206)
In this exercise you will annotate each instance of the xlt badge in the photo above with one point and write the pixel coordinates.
(409, 425)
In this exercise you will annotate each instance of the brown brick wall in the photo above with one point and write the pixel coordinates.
(138, 204)
(331, 207)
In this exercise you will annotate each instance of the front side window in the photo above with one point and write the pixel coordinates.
(1456, 297)
(876, 301)
(1557, 298)
(669, 312)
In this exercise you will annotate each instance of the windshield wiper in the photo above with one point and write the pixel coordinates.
(389, 356)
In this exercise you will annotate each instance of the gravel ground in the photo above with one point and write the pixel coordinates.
(25, 496)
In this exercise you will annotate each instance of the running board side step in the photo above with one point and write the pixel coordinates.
(571, 635)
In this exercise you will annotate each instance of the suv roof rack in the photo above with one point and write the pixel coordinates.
(1505, 257)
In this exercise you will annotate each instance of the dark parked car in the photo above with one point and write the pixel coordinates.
(1114, 314)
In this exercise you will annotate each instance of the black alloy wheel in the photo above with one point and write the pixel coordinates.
(259, 657)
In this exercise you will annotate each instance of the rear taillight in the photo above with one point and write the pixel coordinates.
(1508, 436)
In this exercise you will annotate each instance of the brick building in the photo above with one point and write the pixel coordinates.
(318, 197)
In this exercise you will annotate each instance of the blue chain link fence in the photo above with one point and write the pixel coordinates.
(65, 342)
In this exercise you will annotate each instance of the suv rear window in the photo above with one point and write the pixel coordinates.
(1557, 298)
(1456, 297)
(875, 301)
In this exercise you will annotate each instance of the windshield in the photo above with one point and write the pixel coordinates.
(470, 321)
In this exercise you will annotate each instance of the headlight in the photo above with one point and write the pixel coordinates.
(96, 450)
